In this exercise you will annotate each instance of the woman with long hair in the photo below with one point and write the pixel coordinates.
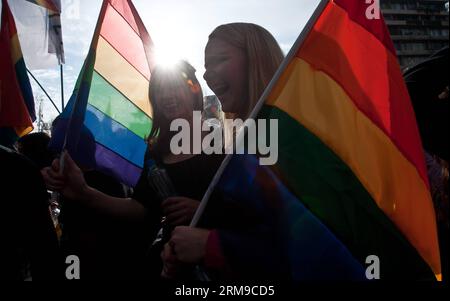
(240, 61)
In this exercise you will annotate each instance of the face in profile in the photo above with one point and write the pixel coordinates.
(227, 74)
(175, 101)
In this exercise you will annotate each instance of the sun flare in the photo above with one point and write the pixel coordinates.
(167, 48)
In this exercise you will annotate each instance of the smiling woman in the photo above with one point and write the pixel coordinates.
(236, 68)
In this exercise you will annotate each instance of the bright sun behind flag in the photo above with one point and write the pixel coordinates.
(167, 51)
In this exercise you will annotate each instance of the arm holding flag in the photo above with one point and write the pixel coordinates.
(71, 184)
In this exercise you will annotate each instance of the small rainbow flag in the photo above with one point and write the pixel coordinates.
(17, 111)
(349, 152)
(109, 114)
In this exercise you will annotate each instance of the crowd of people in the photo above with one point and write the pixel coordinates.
(143, 232)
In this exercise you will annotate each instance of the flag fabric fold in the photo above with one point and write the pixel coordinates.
(290, 242)
(109, 114)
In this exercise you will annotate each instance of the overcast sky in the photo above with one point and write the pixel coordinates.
(179, 28)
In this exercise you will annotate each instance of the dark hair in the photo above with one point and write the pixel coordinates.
(180, 76)
(34, 147)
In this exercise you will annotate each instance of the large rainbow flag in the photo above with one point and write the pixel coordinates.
(109, 113)
(17, 111)
(349, 154)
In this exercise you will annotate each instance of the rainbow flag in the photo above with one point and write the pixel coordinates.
(17, 111)
(349, 152)
(109, 114)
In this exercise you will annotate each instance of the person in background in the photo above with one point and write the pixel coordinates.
(29, 245)
(34, 146)
(428, 87)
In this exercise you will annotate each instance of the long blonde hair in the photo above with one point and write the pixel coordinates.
(263, 53)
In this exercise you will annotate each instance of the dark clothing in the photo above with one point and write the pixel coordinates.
(439, 187)
(427, 82)
(190, 178)
(108, 247)
(26, 228)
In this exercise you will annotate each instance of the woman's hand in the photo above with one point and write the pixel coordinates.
(189, 244)
(70, 183)
(170, 266)
(179, 210)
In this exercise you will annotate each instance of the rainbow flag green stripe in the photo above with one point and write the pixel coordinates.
(331, 191)
(115, 105)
